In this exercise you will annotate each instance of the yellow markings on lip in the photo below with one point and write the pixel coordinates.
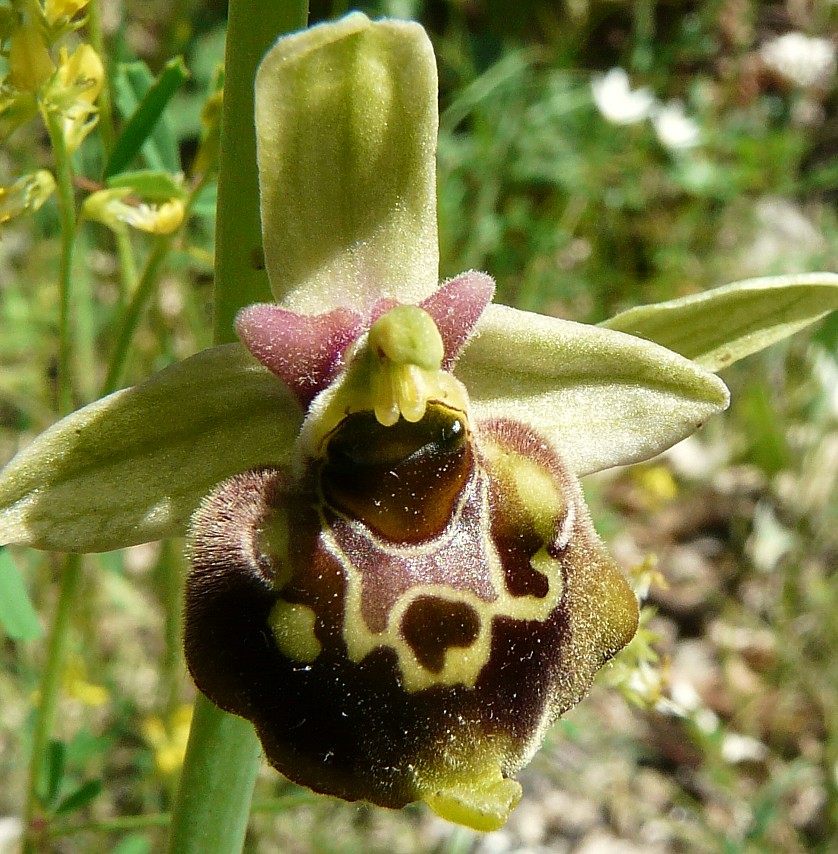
(540, 499)
(293, 630)
(462, 664)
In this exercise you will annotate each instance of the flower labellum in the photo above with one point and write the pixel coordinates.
(404, 610)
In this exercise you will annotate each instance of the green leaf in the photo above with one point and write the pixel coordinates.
(132, 81)
(721, 326)
(55, 766)
(144, 122)
(17, 616)
(346, 123)
(133, 466)
(603, 398)
(136, 843)
(80, 798)
(151, 184)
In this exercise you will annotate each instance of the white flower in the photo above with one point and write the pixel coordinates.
(617, 102)
(738, 748)
(674, 129)
(11, 832)
(801, 59)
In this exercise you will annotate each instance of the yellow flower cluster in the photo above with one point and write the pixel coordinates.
(37, 83)
(168, 738)
(113, 207)
(63, 86)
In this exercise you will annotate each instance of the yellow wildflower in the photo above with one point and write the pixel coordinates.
(112, 207)
(30, 64)
(168, 738)
(157, 219)
(28, 193)
(658, 484)
(74, 92)
(61, 11)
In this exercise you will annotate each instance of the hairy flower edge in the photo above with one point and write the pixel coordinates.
(405, 609)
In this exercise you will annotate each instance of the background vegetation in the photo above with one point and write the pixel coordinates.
(734, 746)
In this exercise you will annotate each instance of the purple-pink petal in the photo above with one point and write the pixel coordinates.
(456, 307)
(307, 351)
(304, 351)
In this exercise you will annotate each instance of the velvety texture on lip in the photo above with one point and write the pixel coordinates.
(438, 662)
(404, 610)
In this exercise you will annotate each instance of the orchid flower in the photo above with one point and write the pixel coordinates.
(394, 573)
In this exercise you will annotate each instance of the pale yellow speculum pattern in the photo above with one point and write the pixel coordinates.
(395, 372)
(462, 665)
(293, 629)
(532, 486)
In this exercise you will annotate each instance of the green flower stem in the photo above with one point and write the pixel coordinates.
(127, 823)
(123, 824)
(127, 264)
(143, 292)
(124, 249)
(97, 39)
(49, 694)
(223, 754)
(216, 784)
(130, 319)
(51, 679)
(67, 214)
(240, 276)
(169, 581)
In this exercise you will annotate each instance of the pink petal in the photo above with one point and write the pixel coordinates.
(456, 307)
(304, 351)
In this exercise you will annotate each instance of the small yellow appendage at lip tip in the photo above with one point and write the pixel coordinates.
(483, 805)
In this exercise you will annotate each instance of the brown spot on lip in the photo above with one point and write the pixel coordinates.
(431, 625)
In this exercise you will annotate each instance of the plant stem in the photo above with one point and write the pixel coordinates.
(222, 757)
(67, 215)
(51, 679)
(143, 292)
(134, 311)
(125, 823)
(97, 39)
(216, 785)
(127, 265)
(124, 249)
(49, 693)
(240, 276)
